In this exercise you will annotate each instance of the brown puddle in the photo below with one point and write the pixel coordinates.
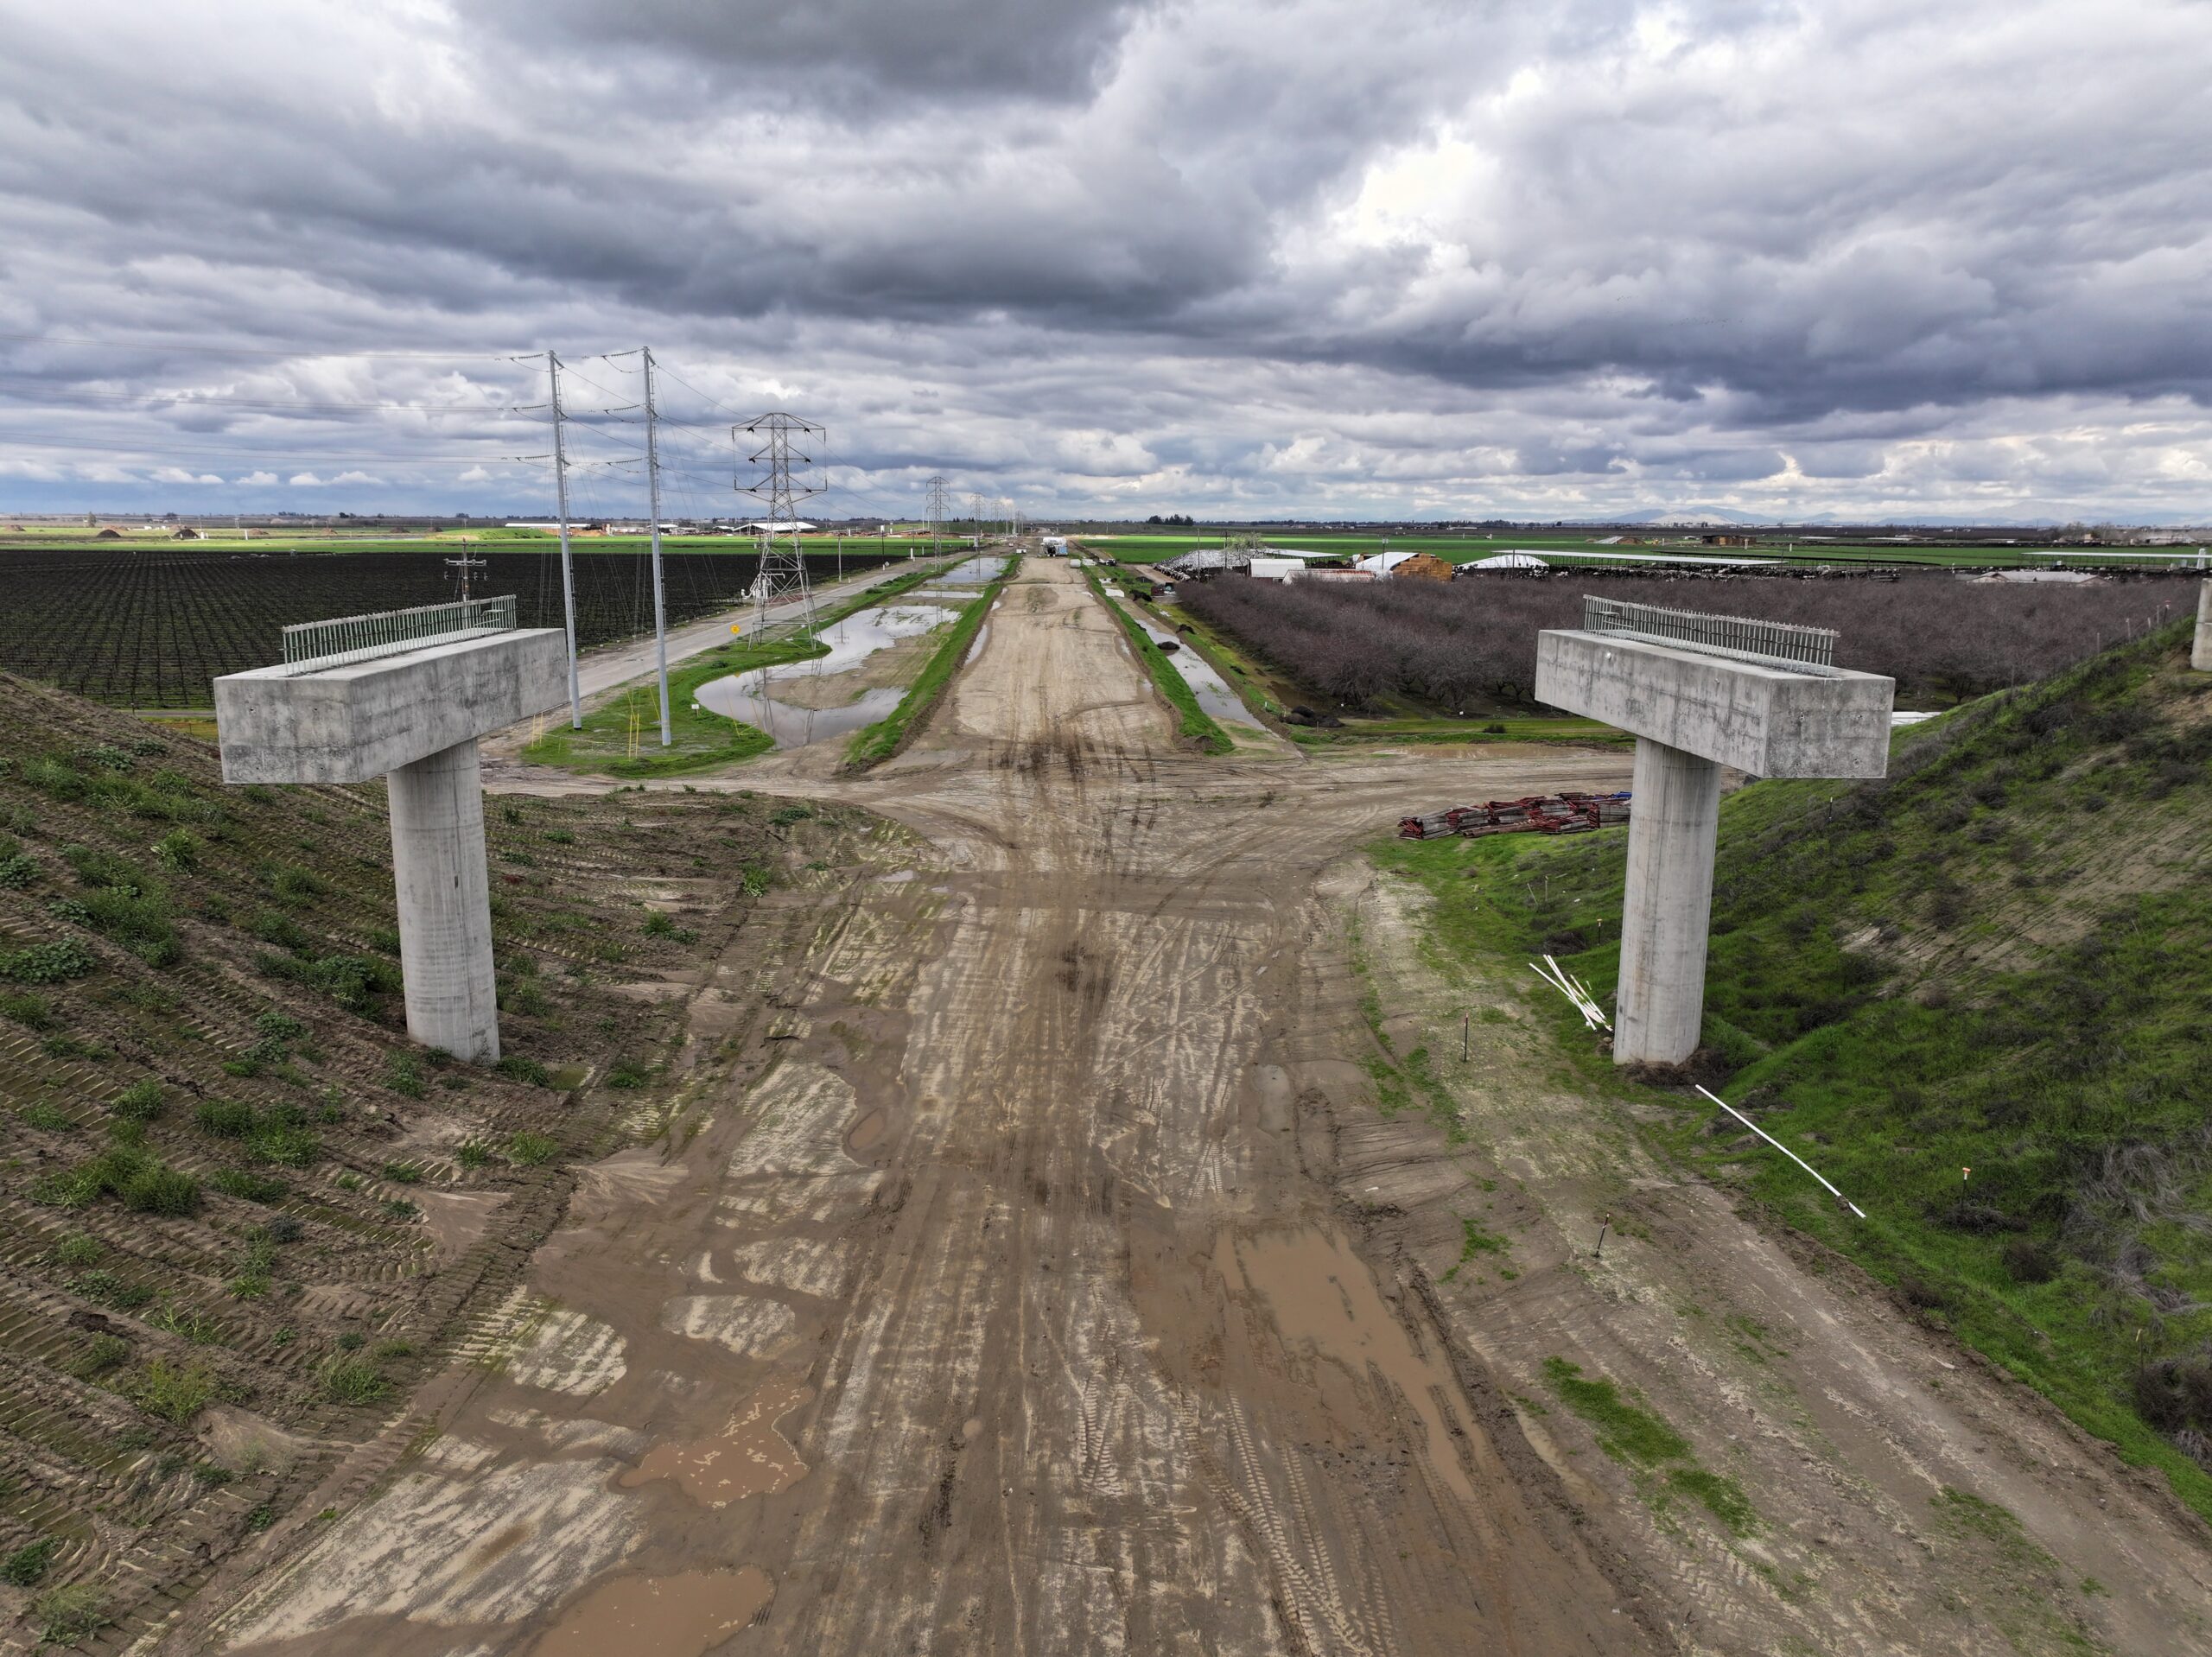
(681, 1616)
(866, 1132)
(748, 1457)
(1319, 1292)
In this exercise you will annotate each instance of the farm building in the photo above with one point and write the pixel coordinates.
(1383, 564)
(1203, 564)
(1506, 561)
(109, 534)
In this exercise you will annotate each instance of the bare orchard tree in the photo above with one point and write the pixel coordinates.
(1354, 644)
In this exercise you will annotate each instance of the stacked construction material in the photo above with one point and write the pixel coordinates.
(1540, 813)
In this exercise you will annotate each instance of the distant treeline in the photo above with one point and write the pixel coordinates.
(1475, 638)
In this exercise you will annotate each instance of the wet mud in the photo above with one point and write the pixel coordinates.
(1035, 1274)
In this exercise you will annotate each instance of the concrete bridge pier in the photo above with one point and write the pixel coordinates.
(1700, 692)
(2200, 655)
(1671, 842)
(408, 705)
(443, 885)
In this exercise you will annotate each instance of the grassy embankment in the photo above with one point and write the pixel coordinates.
(1972, 994)
(878, 742)
(703, 739)
(1193, 724)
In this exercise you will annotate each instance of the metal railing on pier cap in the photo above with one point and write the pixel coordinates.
(309, 646)
(1782, 642)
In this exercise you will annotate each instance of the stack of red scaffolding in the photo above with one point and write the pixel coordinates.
(1536, 814)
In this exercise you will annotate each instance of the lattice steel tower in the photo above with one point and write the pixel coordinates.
(937, 506)
(783, 440)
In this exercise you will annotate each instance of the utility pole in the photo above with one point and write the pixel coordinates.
(777, 434)
(567, 572)
(464, 564)
(938, 508)
(653, 489)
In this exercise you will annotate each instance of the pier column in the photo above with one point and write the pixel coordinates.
(1671, 840)
(444, 916)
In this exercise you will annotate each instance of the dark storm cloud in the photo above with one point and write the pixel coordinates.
(1439, 257)
(932, 49)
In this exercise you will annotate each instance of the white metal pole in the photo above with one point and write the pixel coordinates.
(568, 574)
(660, 605)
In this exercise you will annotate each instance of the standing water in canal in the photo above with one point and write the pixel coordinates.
(778, 700)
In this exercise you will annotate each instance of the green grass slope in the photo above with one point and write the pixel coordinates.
(1974, 995)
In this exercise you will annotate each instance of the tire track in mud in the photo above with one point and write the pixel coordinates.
(1042, 1419)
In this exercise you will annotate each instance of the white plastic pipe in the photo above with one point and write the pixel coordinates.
(1780, 1147)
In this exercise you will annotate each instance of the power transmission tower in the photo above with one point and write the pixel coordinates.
(660, 602)
(781, 572)
(568, 571)
(937, 507)
(976, 516)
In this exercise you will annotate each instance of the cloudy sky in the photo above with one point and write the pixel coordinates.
(1848, 259)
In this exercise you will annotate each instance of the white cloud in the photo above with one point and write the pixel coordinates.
(305, 481)
(474, 474)
(352, 477)
(256, 480)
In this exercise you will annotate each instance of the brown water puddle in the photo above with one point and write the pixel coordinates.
(866, 1132)
(1320, 1293)
(681, 1616)
(748, 1457)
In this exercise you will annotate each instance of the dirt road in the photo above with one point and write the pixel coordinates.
(1039, 1278)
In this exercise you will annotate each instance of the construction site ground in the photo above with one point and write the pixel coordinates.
(1025, 1264)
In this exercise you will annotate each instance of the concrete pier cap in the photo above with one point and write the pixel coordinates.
(409, 710)
(1694, 705)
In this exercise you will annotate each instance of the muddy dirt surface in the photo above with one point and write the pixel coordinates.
(1038, 1276)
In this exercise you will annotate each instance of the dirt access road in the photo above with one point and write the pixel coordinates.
(1039, 1277)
